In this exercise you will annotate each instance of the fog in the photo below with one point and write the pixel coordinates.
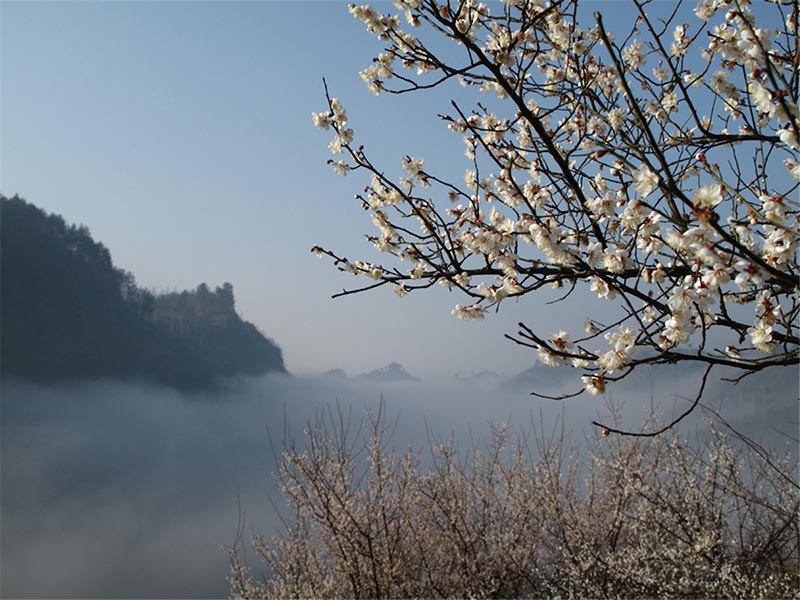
(122, 490)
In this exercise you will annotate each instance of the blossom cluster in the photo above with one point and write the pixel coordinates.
(659, 174)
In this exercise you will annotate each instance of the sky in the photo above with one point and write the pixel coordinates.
(180, 134)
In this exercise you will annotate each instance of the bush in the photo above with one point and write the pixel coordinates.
(520, 517)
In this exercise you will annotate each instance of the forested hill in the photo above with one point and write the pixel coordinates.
(66, 312)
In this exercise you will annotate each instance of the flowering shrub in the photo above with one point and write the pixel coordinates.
(657, 170)
(640, 517)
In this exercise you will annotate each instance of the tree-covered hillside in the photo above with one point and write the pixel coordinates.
(66, 312)
(206, 325)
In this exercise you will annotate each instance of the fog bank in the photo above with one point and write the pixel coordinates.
(121, 490)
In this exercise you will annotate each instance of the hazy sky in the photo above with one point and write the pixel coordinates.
(180, 133)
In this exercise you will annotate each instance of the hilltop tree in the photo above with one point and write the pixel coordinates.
(656, 169)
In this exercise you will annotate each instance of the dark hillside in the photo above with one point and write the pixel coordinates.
(66, 312)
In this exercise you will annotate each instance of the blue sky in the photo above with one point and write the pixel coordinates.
(180, 133)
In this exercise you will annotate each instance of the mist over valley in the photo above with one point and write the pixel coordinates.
(114, 489)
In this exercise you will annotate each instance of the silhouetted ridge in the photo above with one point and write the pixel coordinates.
(391, 372)
(67, 313)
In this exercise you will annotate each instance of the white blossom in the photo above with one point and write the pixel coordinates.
(321, 120)
(634, 55)
(708, 196)
(340, 167)
(473, 312)
(761, 336)
(645, 180)
(595, 385)
(602, 289)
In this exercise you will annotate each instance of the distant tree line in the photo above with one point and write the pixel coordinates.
(66, 312)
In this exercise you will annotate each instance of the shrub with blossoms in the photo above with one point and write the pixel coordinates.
(633, 518)
(656, 169)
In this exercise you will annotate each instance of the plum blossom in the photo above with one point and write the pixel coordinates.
(616, 260)
(706, 9)
(321, 120)
(340, 167)
(634, 55)
(549, 359)
(616, 118)
(793, 166)
(708, 196)
(602, 288)
(469, 313)
(780, 246)
(761, 97)
(614, 360)
(561, 341)
(789, 137)
(645, 180)
(766, 309)
(594, 253)
(412, 166)
(623, 339)
(761, 336)
(595, 385)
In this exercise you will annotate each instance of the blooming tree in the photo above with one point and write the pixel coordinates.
(658, 169)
